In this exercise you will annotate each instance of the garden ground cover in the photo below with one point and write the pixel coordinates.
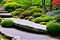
(30, 10)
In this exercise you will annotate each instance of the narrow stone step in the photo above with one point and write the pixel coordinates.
(24, 35)
(12, 32)
(5, 15)
(28, 25)
(3, 11)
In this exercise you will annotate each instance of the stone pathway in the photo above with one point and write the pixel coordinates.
(28, 23)
(25, 35)
(5, 15)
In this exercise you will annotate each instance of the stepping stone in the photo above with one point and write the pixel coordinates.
(55, 12)
(5, 15)
(24, 35)
(28, 23)
(12, 32)
(3, 11)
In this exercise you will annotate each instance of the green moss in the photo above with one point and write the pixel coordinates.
(37, 14)
(38, 20)
(20, 9)
(7, 23)
(43, 19)
(32, 7)
(57, 18)
(43, 15)
(44, 23)
(53, 28)
(25, 14)
(11, 6)
(17, 12)
(37, 10)
(48, 18)
(29, 18)
(0, 19)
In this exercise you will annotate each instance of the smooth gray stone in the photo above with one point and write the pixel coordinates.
(24, 35)
(5, 14)
(53, 12)
(3, 11)
(28, 23)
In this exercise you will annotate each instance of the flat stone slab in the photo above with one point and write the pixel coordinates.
(55, 12)
(5, 14)
(28, 23)
(24, 35)
(3, 11)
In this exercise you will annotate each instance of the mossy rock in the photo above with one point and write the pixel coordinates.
(7, 23)
(53, 28)
(44, 23)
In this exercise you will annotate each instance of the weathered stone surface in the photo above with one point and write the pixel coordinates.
(5, 15)
(28, 23)
(12, 32)
(55, 12)
(30, 29)
(3, 11)
(22, 35)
